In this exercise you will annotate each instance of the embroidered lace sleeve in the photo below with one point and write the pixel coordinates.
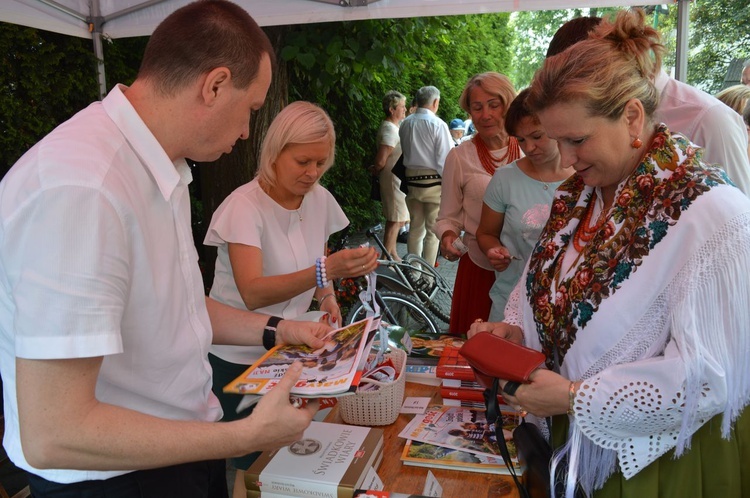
(642, 409)
(513, 313)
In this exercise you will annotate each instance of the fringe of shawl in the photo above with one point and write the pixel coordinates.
(719, 273)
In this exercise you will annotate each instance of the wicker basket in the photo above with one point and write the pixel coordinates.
(379, 407)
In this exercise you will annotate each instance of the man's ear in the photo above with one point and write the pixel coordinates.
(217, 80)
(635, 117)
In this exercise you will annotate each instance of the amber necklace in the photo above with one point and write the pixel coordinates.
(489, 163)
(584, 233)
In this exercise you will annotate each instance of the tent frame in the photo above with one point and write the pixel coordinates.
(96, 23)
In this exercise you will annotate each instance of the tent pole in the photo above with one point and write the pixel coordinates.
(683, 16)
(95, 26)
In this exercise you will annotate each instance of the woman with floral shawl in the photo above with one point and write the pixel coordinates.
(638, 288)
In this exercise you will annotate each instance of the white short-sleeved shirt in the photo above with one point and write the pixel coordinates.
(425, 141)
(97, 259)
(290, 240)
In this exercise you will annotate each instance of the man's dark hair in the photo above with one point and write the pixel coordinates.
(572, 32)
(200, 37)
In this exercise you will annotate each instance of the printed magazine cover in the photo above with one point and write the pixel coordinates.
(425, 348)
(461, 429)
(429, 455)
(333, 370)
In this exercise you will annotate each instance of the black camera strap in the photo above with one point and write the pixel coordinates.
(495, 417)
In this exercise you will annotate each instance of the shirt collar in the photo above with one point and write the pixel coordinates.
(423, 110)
(166, 173)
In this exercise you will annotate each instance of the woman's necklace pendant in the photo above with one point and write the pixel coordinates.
(546, 187)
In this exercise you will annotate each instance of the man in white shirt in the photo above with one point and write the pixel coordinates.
(704, 119)
(425, 143)
(104, 325)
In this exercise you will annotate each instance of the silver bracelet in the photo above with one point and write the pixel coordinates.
(320, 302)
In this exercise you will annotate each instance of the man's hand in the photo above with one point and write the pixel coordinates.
(310, 333)
(275, 422)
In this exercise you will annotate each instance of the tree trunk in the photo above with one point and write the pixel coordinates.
(214, 181)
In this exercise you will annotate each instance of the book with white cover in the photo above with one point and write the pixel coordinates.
(330, 461)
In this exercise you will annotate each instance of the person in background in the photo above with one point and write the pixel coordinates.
(468, 169)
(517, 201)
(745, 78)
(746, 119)
(104, 324)
(636, 288)
(425, 141)
(389, 150)
(271, 235)
(456, 127)
(735, 96)
(685, 109)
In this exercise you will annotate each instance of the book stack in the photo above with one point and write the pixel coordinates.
(458, 438)
(330, 461)
(458, 385)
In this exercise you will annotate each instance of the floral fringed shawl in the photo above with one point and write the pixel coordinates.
(653, 316)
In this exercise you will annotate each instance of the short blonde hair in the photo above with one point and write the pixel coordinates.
(391, 101)
(617, 63)
(491, 82)
(735, 97)
(298, 123)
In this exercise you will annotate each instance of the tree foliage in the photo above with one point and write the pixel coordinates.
(719, 34)
(347, 67)
(46, 78)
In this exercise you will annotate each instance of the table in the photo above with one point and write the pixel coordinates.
(408, 479)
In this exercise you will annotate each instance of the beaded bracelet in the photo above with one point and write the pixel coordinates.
(571, 398)
(321, 279)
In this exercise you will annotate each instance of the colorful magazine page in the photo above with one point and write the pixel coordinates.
(430, 455)
(423, 348)
(332, 370)
(461, 429)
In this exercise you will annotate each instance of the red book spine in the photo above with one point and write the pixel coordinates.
(464, 394)
(452, 365)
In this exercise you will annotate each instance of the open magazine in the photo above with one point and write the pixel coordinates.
(462, 429)
(330, 371)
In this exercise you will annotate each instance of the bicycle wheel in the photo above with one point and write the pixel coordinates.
(399, 309)
(437, 294)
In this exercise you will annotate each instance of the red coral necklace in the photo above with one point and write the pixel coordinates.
(584, 233)
(489, 163)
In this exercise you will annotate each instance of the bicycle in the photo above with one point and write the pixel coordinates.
(396, 308)
(415, 277)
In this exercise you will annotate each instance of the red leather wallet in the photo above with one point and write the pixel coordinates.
(492, 357)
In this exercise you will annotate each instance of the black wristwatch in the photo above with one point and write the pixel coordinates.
(269, 332)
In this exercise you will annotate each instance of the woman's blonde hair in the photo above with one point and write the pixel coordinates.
(298, 123)
(736, 97)
(617, 63)
(491, 82)
(391, 101)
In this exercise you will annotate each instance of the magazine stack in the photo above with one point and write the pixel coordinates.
(458, 438)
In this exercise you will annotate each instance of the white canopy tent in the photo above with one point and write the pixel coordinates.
(125, 18)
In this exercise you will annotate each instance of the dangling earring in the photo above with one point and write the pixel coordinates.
(636, 144)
